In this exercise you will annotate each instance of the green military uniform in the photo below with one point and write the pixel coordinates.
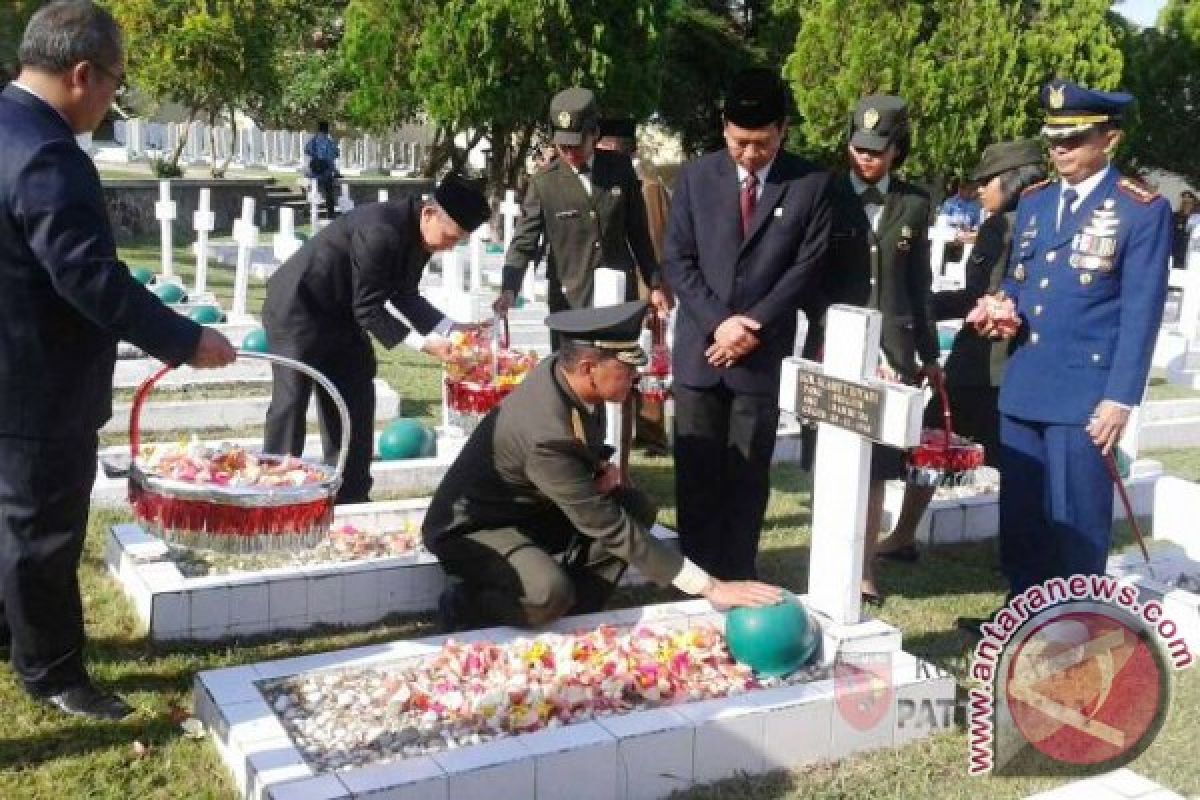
(584, 222)
(892, 247)
(522, 492)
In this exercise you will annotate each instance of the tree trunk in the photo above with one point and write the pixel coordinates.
(183, 140)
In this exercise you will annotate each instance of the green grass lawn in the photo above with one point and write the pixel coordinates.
(43, 755)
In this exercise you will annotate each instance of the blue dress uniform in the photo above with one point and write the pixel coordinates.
(1090, 292)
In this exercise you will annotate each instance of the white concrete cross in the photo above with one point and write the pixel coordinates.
(608, 289)
(509, 210)
(203, 222)
(164, 211)
(475, 248)
(459, 304)
(344, 203)
(285, 242)
(844, 390)
(383, 195)
(314, 203)
(245, 233)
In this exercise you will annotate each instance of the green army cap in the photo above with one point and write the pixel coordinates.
(878, 120)
(1003, 156)
(573, 114)
(612, 328)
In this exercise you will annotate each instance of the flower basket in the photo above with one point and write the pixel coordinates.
(229, 500)
(943, 458)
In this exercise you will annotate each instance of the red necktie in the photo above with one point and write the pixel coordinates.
(749, 199)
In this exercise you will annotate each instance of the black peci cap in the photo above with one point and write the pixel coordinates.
(757, 98)
(463, 201)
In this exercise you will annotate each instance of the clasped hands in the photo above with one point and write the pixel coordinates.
(994, 316)
(732, 340)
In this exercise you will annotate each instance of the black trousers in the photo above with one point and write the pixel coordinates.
(724, 441)
(531, 574)
(350, 366)
(45, 489)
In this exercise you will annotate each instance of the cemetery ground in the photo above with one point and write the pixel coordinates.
(46, 755)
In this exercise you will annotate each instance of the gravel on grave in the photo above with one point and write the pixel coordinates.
(469, 693)
(343, 544)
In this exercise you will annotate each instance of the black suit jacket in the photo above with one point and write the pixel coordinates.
(583, 232)
(976, 360)
(360, 274)
(65, 298)
(715, 274)
(897, 260)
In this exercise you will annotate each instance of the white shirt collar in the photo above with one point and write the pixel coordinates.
(30, 90)
(861, 186)
(760, 174)
(1086, 186)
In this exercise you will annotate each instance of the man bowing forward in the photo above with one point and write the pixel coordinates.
(747, 234)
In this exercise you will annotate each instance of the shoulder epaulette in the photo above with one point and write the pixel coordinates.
(1035, 187)
(1138, 191)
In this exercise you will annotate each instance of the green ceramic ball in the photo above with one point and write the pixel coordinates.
(169, 292)
(302, 236)
(255, 341)
(142, 275)
(402, 438)
(772, 640)
(206, 315)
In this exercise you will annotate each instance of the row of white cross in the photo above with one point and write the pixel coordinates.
(285, 242)
(252, 147)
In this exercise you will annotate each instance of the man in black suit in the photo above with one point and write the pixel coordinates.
(587, 208)
(747, 236)
(65, 300)
(358, 276)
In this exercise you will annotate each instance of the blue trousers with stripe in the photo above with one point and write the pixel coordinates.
(1056, 503)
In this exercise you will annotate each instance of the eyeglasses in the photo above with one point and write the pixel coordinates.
(118, 80)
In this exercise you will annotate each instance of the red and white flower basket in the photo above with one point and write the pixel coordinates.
(943, 458)
(230, 500)
(482, 372)
(655, 383)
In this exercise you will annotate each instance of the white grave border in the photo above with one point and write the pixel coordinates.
(638, 754)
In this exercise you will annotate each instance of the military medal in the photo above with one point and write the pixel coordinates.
(1085, 278)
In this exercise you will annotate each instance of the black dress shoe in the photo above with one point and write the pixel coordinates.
(454, 610)
(972, 626)
(907, 554)
(87, 701)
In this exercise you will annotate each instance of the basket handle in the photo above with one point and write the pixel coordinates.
(939, 384)
(500, 323)
(139, 399)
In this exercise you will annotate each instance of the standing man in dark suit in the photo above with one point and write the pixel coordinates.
(588, 208)
(357, 276)
(1083, 299)
(748, 232)
(65, 300)
(881, 229)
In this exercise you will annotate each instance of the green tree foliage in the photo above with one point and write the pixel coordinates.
(313, 82)
(1163, 72)
(375, 60)
(846, 49)
(491, 66)
(14, 16)
(971, 69)
(704, 48)
(212, 56)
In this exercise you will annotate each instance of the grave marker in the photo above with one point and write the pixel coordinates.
(204, 222)
(164, 211)
(852, 409)
(285, 242)
(344, 203)
(608, 289)
(510, 210)
(245, 233)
